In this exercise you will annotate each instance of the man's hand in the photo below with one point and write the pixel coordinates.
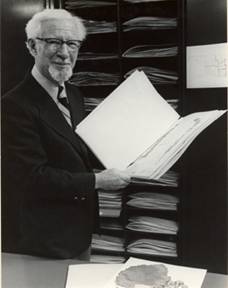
(112, 179)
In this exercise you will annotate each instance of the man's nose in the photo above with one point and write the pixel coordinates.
(63, 50)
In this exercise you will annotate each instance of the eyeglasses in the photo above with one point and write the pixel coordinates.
(55, 43)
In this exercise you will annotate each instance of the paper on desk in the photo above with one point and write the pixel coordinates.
(119, 129)
(192, 277)
(90, 275)
(104, 275)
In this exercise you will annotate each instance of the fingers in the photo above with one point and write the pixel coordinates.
(125, 176)
(121, 175)
(112, 179)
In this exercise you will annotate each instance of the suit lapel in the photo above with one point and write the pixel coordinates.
(77, 113)
(50, 113)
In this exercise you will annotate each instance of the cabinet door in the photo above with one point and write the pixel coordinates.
(205, 223)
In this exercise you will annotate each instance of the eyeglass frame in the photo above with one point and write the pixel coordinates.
(77, 43)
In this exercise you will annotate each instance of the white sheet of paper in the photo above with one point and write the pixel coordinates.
(90, 275)
(119, 129)
(192, 277)
(207, 66)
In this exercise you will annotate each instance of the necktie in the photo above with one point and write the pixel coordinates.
(63, 105)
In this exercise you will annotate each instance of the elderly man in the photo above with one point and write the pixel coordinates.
(47, 180)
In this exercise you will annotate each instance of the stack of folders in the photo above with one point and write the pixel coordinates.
(152, 225)
(106, 259)
(87, 4)
(107, 243)
(154, 201)
(94, 78)
(169, 179)
(110, 203)
(148, 51)
(153, 247)
(156, 75)
(149, 22)
(96, 56)
(141, 1)
(99, 27)
(110, 224)
(91, 103)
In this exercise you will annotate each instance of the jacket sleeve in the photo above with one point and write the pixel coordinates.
(25, 161)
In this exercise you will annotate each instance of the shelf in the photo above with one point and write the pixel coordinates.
(103, 53)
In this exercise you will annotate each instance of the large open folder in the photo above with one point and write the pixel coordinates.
(135, 129)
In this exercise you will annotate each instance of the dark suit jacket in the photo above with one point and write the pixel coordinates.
(48, 195)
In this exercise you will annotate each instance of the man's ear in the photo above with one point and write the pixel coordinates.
(31, 45)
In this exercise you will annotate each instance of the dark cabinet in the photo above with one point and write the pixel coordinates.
(205, 204)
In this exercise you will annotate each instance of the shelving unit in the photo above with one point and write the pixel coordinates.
(150, 28)
(160, 205)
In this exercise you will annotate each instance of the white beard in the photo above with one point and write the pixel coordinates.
(60, 76)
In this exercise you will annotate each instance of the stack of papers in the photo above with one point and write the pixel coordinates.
(141, 1)
(169, 179)
(152, 225)
(86, 4)
(108, 259)
(93, 78)
(107, 243)
(110, 224)
(91, 103)
(109, 203)
(148, 51)
(136, 130)
(96, 56)
(156, 75)
(99, 27)
(154, 201)
(153, 247)
(149, 22)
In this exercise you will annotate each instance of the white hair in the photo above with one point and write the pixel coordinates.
(33, 27)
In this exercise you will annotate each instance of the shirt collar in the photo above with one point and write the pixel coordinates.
(51, 88)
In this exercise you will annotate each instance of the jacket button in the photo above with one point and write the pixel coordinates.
(76, 198)
(83, 198)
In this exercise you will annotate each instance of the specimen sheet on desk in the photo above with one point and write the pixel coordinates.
(105, 275)
(90, 275)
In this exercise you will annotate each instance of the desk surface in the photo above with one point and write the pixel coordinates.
(19, 271)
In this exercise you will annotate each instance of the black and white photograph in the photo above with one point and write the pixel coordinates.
(114, 144)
